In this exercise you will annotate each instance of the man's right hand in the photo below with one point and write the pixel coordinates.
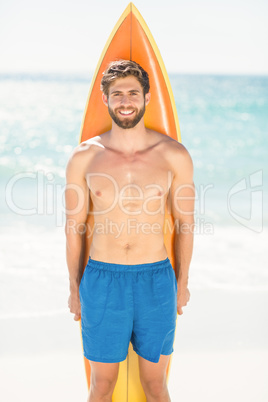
(75, 306)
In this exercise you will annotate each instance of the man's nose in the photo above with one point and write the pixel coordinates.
(125, 100)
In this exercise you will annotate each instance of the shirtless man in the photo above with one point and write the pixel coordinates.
(129, 291)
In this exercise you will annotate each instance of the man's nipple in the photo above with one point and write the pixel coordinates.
(98, 193)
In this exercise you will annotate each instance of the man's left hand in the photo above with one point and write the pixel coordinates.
(183, 296)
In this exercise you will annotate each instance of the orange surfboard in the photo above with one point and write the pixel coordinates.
(132, 40)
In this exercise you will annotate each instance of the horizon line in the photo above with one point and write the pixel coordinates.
(72, 73)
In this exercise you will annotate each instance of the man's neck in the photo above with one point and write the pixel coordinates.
(129, 141)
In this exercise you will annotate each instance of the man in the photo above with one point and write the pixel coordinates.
(128, 291)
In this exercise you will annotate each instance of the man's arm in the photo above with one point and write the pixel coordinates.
(77, 204)
(182, 209)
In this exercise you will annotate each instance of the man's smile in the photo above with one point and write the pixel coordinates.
(126, 112)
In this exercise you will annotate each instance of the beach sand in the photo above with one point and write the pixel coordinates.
(221, 353)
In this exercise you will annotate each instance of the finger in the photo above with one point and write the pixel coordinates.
(180, 312)
(77, 317)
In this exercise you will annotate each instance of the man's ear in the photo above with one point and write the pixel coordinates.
(105, 99)
(147, 98)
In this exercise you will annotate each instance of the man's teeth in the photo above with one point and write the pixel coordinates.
(126, 112)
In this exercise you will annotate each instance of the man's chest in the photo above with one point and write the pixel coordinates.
(128, 181)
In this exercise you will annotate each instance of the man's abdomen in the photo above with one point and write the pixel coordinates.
(132, 240)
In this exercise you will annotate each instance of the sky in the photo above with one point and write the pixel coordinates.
(194, 36)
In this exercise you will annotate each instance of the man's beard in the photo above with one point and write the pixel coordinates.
(127, 122)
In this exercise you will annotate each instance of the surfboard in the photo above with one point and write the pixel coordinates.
(131, 39)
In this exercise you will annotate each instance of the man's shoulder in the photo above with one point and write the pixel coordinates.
(90, 145)
(170, 146)
(174, 152)
(83, 153)
(87, 148)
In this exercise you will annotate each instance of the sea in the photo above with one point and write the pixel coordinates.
(224, 126)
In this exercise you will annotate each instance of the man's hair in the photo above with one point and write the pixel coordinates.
(121, 69)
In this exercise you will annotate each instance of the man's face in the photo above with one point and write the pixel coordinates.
(126, 102)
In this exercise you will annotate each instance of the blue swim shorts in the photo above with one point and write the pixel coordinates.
(122, 303)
